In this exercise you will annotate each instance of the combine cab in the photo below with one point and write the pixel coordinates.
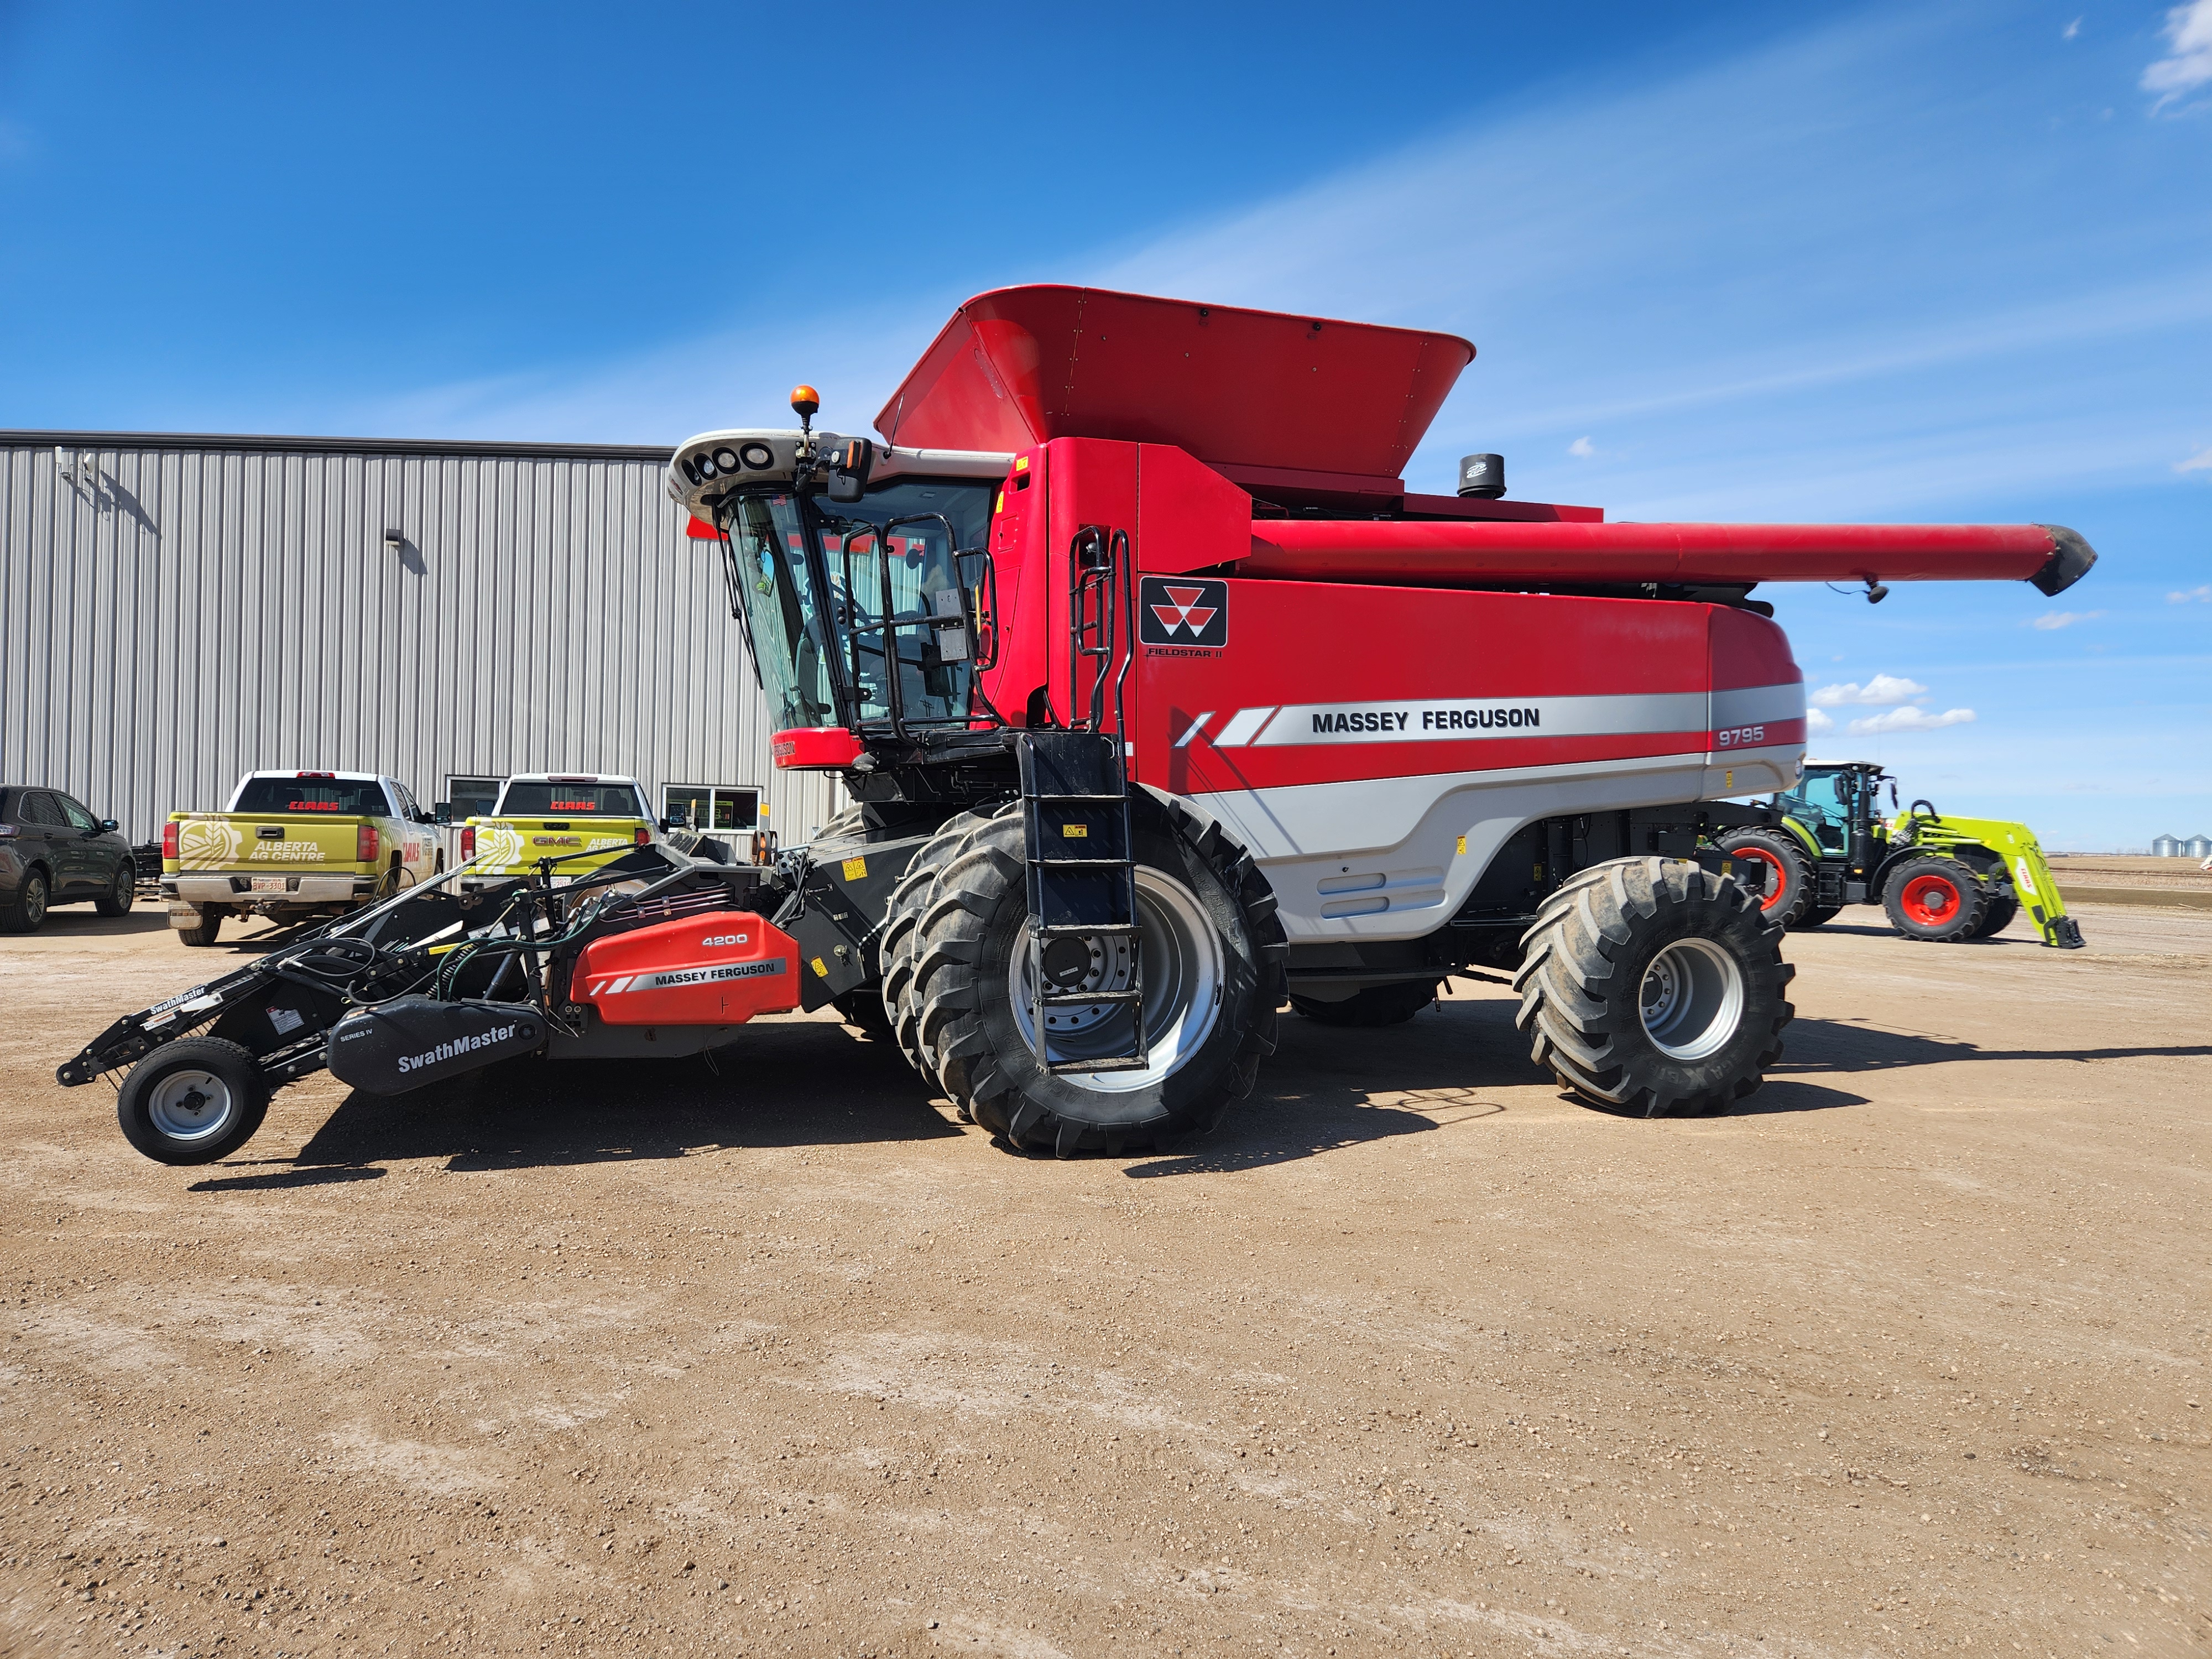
(1168, 705)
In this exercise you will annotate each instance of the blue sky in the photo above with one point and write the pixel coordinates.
(1852, 262)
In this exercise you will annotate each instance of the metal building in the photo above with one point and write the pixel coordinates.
(177, 610)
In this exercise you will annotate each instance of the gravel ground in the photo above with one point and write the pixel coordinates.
(1904, 1357)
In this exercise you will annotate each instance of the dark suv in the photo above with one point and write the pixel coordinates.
(53, 852)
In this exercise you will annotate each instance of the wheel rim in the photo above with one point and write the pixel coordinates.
(126, 888)
(34, 900)
(1181, 952)
(190, 1105)
(1691, 998)
(1772, 895)
(1931, 901)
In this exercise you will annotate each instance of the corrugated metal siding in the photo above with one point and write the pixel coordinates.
(205, 612)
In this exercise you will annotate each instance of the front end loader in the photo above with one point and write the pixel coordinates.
(1939, 878)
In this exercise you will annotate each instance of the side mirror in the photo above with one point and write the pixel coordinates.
(441, 812)
(108, 824)
(848, 470)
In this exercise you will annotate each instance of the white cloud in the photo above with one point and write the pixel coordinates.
(1910, 719)
(2187, 64)
(1583, 447)
(1878, 692)
(2200, 462)
(1816, 722)
(2202, 595)
(2071, 30)
(2050, 619)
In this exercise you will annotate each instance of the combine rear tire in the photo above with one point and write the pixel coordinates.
(194, 1101)
(1376, 1005)
(1211, 955)
(1788, 893)
(1935, 899)
(2002, 907)
(1651, 987)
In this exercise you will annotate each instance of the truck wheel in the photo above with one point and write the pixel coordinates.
(1650, 985)
(210, 923)
(1371, 1005)
(1213, 956)
(1816, 916)
(902, 922)
(1789, 892)
(2002, 907)
(28, 912)
(121, 893)
(1935, 899)
(194, 1101)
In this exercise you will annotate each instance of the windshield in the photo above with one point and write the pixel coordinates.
(1825, 792)
(557, 799)
(801, 667)
(349, 798)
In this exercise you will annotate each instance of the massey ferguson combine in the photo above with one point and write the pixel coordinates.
(1165, 703)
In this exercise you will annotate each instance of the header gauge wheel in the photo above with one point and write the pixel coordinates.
(192, 1101)
(1651, 987)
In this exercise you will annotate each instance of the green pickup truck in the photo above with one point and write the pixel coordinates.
(583, 819)
(292, 845)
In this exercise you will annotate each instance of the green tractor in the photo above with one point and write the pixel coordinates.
(1938, 878)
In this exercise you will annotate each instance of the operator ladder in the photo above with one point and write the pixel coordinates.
(1084, 978)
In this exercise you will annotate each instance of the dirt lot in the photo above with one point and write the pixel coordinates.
(1414, 1357)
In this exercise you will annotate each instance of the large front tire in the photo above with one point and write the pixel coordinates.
(901, 926)
(1788, 893)
(1650, 985)
(1211, 960)
(192, 1101)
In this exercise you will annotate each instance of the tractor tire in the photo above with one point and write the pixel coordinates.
(2002, 907)
(902, 923)
(1789, 884)
(1934, 899)
(122, 893)
(1816, 916)
(27, 912)
(192, 1101)
(210, 925)
(1213, 956)
(1374, 1005)
(1651, 987)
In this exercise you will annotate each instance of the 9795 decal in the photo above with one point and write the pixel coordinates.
(1735, 737)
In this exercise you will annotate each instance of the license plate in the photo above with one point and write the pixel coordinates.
(269, 885)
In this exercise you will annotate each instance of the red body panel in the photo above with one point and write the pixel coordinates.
(814, 749)
(721, 968)
(1240, 389)
(1331, 684)
(1441, 555)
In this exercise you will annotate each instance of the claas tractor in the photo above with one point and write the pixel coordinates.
(1166, 705)
(1939, 878)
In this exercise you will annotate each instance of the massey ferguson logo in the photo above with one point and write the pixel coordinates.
(1190, 610)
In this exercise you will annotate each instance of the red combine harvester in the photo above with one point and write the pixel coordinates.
(1165, 701)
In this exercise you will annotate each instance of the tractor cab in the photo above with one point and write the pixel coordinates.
(1837, 808)
(853, 565)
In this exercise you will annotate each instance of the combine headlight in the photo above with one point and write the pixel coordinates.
(759, 457)
(725, 460)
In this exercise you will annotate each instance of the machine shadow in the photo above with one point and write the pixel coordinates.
(773, 1088)
(1841, 1046)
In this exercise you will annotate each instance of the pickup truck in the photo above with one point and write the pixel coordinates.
(292, 845)
(583, 819)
